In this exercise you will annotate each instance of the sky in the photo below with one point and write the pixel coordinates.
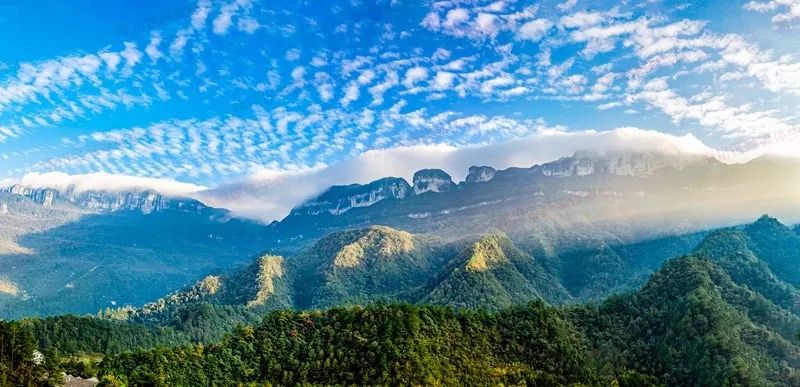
(258, 95)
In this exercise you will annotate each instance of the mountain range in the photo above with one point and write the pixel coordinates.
(599, 223)
(596, 269)
(614, 196)
(379, 263)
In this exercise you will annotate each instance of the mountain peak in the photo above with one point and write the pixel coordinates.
(432, 180)
(722, 243)
(209, 285)
(260, 285)
(768, 220)
(339, 199)
(486, 253)
(767, 224)
(374, 241)
(269, 269)
(480, 174)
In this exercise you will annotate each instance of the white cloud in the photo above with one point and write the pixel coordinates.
(534, 30)
(391, 80)
(414, 75)
(41, 79)
(351, 94)
(443, 80)
(224, 20)
(152, 50)
(713, 112)
(324, 86)
(200, 14)
(455, 17)
(7, 132)
(366, 77)
(789, 10)
(432, 21)
(292, 54)
(566, 5)
(587, 19)
(486, 24)
(105, 182)
(248, 25)
(131, 54)
(177, 45)
(112, 60)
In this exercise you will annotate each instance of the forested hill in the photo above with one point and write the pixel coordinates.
(692, 324)
(379, 263)
(725, 314)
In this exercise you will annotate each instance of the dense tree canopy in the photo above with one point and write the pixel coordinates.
(724, 315)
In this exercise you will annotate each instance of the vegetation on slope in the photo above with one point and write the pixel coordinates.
(75, 335)
(492, 273)
(377, 345)
(721, 316)
(367, 265)
(777, 245)
(688, 327)
(18, 363)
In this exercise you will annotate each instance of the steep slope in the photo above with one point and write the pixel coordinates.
(143, 201)
(225, 300)
(730, 249)
(262, 285)
(693, 325)
(594, 272)
(79, 252)
(492, 273)
(76, 257)
(603, 265)
(378, 263)
(360, 266)
(601, 193)
(719, 317)
(363, 266)
(778, 246)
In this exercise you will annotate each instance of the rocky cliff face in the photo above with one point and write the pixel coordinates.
(145, 202)
(43, 196)
(480, 174)
(638, 164)
(340, 199)
(432, 180)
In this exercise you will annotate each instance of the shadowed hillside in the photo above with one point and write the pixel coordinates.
(102, 260)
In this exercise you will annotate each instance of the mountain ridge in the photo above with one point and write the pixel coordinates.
(144, 201)
(70, 254)
(582, 163)
(613, 195)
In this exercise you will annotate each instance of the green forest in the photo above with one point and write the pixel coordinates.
(723, 315)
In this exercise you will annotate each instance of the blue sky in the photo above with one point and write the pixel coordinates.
(211, 92)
